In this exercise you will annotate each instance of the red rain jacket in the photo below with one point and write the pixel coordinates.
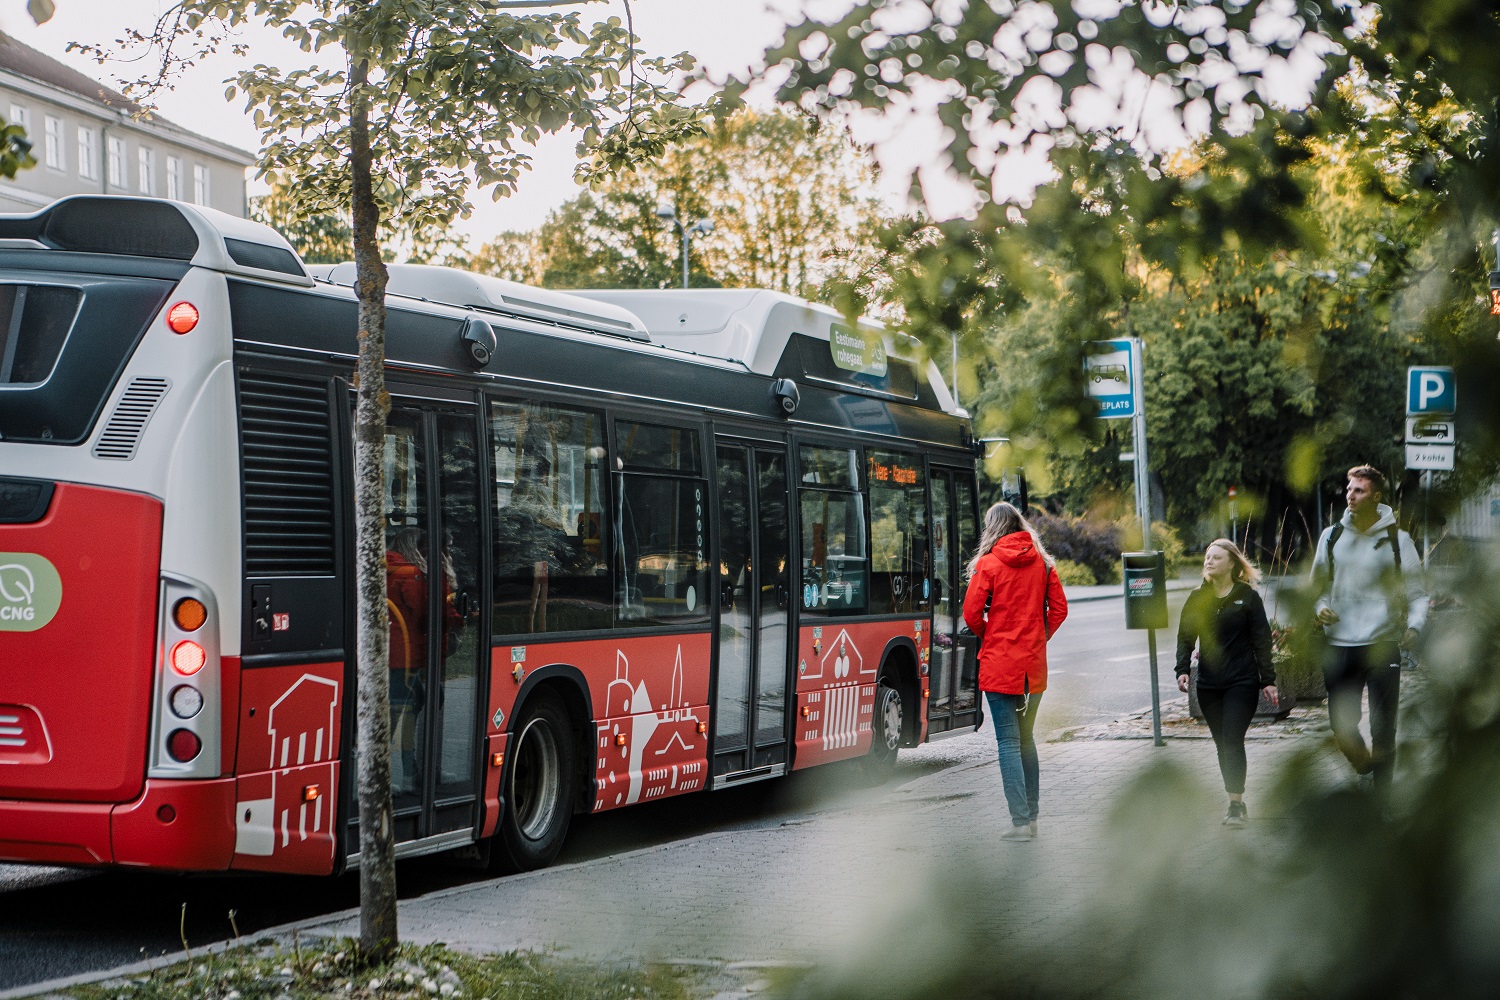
(1012, 581)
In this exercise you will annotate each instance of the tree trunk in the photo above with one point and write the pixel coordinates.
(377, 849)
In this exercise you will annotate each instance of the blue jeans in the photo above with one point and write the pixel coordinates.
(1015, 728)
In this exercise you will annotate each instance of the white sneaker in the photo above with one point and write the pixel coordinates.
(1020, 834)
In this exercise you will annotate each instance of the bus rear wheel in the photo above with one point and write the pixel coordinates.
(889, 726)
(538, 787)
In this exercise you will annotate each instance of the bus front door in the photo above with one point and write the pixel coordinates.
(433, 534)
(750, 703)
(953, 706)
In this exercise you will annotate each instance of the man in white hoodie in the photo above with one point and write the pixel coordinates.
(1371, 603)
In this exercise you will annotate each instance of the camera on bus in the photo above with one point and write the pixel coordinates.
(479, 338)
(784, 391)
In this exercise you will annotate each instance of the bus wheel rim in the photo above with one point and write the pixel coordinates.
(537, 778)
(890, 720)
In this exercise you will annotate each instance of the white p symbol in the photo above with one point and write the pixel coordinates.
(1429, 387)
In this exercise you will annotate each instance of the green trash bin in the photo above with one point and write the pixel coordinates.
(1145, 589)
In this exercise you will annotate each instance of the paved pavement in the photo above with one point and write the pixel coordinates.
(913, 864)
(822, 889)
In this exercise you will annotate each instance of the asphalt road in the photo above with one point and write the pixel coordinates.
(61, 922)
(1098, 671)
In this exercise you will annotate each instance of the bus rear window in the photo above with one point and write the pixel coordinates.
(34, 322)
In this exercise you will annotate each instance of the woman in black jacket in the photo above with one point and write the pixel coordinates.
(1226, 620)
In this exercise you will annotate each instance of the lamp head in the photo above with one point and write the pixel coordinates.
(666, 211)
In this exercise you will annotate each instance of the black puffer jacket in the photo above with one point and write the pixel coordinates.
(1232, 635)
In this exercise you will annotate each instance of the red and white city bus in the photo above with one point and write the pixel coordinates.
(640, 544)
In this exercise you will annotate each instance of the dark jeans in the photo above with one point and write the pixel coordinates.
(1228, 712)
(1020, 773)
(1347, 672)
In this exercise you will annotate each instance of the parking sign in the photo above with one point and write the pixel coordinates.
(1430, 390)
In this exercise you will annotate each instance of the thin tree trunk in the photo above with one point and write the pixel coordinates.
(377, 850)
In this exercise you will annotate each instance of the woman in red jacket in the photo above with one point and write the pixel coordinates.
(1014, 603)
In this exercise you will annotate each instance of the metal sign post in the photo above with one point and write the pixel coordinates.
(1113, 372)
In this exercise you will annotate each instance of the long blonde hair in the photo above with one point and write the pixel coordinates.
(1240, 567)
(1000, 520)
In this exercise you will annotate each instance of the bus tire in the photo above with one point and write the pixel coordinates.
(538, 789)
(888, 728)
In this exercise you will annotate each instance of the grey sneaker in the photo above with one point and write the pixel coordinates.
(1020, 834)
(1237, 816)
(1033, 828)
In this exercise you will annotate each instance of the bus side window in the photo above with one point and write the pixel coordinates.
(898, 534)
(661, 533)
(835, 556)
(550, 574)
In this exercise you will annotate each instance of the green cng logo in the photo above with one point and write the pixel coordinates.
(30, 592)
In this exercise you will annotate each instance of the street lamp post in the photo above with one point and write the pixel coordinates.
(667, 212)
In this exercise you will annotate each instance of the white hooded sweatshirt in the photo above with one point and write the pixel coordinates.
(1367, 592)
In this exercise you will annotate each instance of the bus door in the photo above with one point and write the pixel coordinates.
(954, 680)
(750, 706)
(434, 586)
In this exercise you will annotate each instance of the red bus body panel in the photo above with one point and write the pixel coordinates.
(285, 803)
(838, 667)
(84, 680)
(55, 833)
(186, 825)
(649, 696)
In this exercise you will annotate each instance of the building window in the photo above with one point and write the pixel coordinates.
(174, 178)
(54, 142)
(200, 184)
(116, 161)
(145, 181)
(20, 116)
(88, 154)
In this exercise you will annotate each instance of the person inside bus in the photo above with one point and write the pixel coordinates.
(532, 536)
(407, 595)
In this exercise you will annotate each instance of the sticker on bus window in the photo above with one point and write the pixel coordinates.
(30, 591)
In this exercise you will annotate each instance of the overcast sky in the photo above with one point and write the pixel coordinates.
(725, 35)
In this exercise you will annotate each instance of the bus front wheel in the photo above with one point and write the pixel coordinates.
(538, 787)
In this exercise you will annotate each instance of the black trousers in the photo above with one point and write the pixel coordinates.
(1228, 712)
(1346, 674)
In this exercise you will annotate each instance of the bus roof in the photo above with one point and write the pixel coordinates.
(468, 290)
(753, 326)
(159, 228)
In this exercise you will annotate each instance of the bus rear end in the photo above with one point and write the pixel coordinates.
(120, 563)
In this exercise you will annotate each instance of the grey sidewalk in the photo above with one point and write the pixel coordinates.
(816, 889)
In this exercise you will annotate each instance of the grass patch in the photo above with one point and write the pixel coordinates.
(325, 969)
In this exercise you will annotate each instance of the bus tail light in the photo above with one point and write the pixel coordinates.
(189, 614)
(188, 658)
(187, 712)
(184, 745)
(182, 317)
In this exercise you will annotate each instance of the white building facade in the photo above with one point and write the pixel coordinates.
(86, 140)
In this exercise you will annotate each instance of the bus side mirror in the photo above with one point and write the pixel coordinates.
(784, 391)
(479, 341)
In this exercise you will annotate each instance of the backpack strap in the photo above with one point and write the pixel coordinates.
(1333, 536)
(1390, 533)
